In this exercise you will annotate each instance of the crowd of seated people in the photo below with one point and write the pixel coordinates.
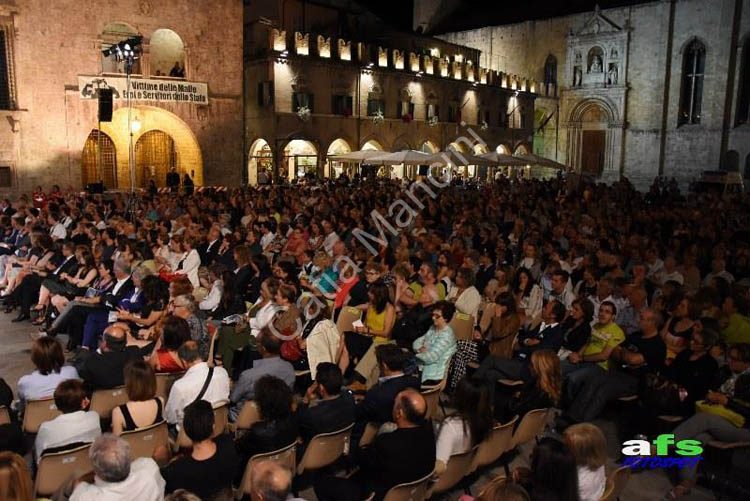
(577, 296)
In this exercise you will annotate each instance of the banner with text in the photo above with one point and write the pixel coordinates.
(145, 89)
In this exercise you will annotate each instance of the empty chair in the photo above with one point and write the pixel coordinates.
(56, 468)
(616, 483)
(164, 382)
(491, 448)
(4, 415)
(286, 456)
(38, 412)
(325, 449)
(432, 400)
(347, 317)
(144, 441)
(531, 425)
(457, 468)
(249, 415)
(463, 326)
(410, 491)
(104, 401)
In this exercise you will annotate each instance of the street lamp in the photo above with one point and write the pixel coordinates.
(135, 126)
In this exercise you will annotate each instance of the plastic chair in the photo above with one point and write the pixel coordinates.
(37, 412)
(531, 425)
(494, 445)
(286, 456)
(324, 449)
(432, 400)
(56, 468)
(144, 441)
(249, 415)
(347, 317)
(164, 382)
(463, 326)
(371, 431)
(4, 415)
(457, 468)
(410, 491)
(616, 483)
(104, 401)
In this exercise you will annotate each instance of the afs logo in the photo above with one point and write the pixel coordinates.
(639, 452)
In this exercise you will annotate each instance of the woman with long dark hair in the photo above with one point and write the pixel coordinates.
(468, 425)
(528, 295)
(553, 475)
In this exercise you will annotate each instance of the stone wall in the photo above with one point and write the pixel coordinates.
(55, 42)
(523, 48)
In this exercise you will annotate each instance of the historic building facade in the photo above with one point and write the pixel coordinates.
(322, 80)
(655, 88)
(185, 102)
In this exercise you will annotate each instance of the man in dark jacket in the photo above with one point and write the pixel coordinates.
(325, 407)
(378, 403)
(547, 336)
(404, 455)
(103, 368)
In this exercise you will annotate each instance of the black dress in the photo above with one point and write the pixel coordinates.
(130, 424)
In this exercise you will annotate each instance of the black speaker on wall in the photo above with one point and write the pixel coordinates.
(105, 105)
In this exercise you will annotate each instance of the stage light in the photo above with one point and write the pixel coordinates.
(135, 126)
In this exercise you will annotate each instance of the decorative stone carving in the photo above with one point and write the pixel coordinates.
(596, 65)
(578, 57)
(613, 53)
(577, 76)
(300, 84)
(145, 7)
(612, 74)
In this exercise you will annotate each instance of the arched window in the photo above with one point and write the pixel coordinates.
(693, 68)
(550, 75)
(743, 100)
(167, 54)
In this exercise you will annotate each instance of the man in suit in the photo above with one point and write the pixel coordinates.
(103, 368)
(377, 405)
(210, 249)
(325, 407)
(547, 336)
(404, 455)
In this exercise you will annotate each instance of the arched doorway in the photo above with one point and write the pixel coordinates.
(155, 155)
(501, 148)
(187, 152)
(478, 171)
(731, 161)
(372, 144)
(334, 169)
(593, 136)
(99, 160)
(300, 157)
(398, 171)
(259, 160)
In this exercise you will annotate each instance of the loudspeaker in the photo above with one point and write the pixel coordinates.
(105, 105)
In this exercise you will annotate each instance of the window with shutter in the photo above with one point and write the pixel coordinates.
(6, 177)
(6, 103)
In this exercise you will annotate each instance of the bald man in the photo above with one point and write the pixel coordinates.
(103, 368)
(404, 455)
(271, 482)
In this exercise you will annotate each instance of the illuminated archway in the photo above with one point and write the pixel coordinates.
(428, 147)
(501, 148)
(337, 147)
(99, 160)
(165, 49)
(188, 157)
(300, 157)
(155, 156)
(521, 150)
(478, 171)
(372, 144)
(259, 159)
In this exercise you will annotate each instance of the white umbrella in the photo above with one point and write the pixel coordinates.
(502, 159)
(406, 157)
(357, 156)
(454, 158)
(532, 159)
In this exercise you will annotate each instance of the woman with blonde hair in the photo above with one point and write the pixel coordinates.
(542, 391)
(16, 484)
(589, 447)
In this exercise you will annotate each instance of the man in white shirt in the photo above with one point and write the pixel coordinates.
(57, 229)
(73, 425)
(718, 269)
(187, 389)
(116, 477)
(331, 237)
(268, 235)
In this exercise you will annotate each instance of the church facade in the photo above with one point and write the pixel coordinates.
(659, 88)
